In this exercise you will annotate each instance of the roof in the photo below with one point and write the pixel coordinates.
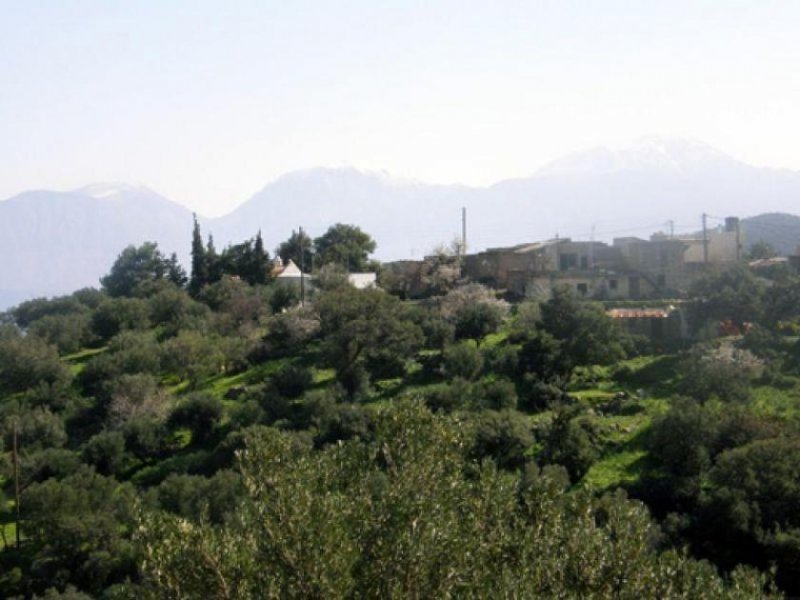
(290, 271)
(640, 313)
(767, 262)
(529, 247)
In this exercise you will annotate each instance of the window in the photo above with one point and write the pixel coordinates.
(567, 261)
(613, 284)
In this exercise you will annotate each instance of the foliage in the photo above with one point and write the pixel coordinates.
(68, 333)
(724, 372)
(569, 443)
(78, 527)
(761, 250)
(345, 245)
(463, 360)
(120, 314)
(199, 413)
(363, 329)
(137, 265)
(105, 452)
(28, 361)
(588, 335)
(504, 437)
(288, 332)
(735, 295)
(398, 518)
(298, 248)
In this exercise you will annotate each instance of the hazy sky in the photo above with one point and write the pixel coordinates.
(206, 102)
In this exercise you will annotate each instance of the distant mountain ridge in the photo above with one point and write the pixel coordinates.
(779, 230)
(55, 242)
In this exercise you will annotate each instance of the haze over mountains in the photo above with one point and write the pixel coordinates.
(55, 242)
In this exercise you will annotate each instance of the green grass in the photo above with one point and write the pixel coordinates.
(494, 339)
(10, 530)
(625, 456)
(78, 360)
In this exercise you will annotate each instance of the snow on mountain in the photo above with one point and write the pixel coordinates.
(55, 242)
(645, 154)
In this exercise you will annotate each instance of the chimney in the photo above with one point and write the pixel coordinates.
(731, 224)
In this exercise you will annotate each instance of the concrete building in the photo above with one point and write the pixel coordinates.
(630, 268)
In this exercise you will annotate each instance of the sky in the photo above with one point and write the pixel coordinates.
(206, 102)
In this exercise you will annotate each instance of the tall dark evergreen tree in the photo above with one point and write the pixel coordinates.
(260, 261)
(213, 261)
(200, 271)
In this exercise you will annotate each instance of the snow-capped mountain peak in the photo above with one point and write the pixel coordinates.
(109, 189)
(647, 153)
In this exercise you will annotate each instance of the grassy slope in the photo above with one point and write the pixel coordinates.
(649, 384)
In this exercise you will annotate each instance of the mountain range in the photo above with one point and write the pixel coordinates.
(54, 242)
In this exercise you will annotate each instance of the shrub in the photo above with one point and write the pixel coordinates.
(105, 452)
(499, 394)
(463, 360)
(292, 381)
(199, 413)
(504, 437)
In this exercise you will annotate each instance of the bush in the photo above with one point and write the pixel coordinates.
(120, 314)
(569, 443)
(539, 395)
(681, 440)
(26, 362)
(145, 436)
(68, 333)
(724, 372)
(502, 359)
(499, 394)
(292, 381)
(286, 333)
(199, 413)
(343, 422)
(504, 437)
(105, 452)
(457, 394)
(463, 360)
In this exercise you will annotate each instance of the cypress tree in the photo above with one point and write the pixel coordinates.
(214, 264)
(200, 266)
(260, 261)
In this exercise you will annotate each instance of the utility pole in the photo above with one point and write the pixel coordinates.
(671, 225)
(705, 240)
(463, 231)
(738, 240)
(558, 253)
(302, 271)
(591, 249)
(15, 461)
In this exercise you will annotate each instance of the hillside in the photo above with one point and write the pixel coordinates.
(56, 242)
(779, 230)
(236, 420)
